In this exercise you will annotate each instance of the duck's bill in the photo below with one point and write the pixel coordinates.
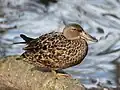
(89, 37)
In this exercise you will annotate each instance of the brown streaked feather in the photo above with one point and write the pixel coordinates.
(55, 51)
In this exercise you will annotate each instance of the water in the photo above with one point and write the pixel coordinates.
(100, 18)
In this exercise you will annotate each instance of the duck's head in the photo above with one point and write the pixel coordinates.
(75, 31)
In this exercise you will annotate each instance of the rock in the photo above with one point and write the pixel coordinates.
(18, 75)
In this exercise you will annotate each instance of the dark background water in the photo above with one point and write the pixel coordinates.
(100, 18)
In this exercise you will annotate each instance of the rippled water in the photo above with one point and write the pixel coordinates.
(101, 18)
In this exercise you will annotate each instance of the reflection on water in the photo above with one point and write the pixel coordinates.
(101, 18)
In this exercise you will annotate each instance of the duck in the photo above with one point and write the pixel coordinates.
(57, 50)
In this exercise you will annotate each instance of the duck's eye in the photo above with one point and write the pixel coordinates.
(74, 29)
(77, 30)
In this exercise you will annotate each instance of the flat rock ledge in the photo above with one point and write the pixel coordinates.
(18, 75)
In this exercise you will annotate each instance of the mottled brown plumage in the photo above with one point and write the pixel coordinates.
(57, 50)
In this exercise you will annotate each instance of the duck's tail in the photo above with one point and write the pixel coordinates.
(24, 37)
